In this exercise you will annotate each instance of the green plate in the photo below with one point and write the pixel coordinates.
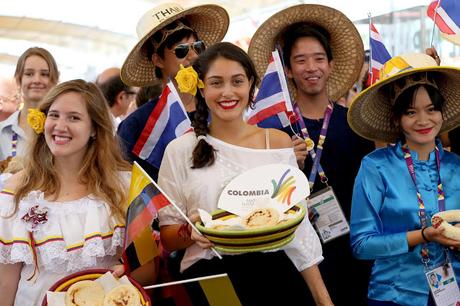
(221, 214)
(255, 248)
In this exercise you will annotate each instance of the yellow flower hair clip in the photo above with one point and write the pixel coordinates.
(188, 80)
(36, 120)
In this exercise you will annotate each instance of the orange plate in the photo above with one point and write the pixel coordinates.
(93, 274)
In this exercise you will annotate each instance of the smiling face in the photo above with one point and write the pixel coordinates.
(226, 89)
(310, 68)
(35, 80)
(421, 122)
(68, 127)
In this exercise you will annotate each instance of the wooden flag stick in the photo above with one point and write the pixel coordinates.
(175, 206)
(186, 281)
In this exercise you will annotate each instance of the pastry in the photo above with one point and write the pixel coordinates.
(123, 295)
(261, 217)
(441, 220)
(85, 293)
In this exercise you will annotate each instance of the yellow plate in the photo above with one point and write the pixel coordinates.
(93, 274)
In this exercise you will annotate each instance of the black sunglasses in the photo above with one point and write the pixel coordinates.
(182, 50)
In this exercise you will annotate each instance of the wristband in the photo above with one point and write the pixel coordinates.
(423, 235)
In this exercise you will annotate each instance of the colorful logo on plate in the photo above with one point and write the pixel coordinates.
(283, 190)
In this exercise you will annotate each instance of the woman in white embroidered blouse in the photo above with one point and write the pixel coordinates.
(63, 213)
(196, 167)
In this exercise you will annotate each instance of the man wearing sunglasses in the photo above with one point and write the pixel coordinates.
(169, 36)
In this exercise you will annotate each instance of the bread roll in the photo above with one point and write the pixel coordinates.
(126, 295)
(442, 219)
(261, 217)
(85, 293)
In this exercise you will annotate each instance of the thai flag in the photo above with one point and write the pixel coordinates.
(167, 121)
(447, 15)
(379, 55)
(273, 108)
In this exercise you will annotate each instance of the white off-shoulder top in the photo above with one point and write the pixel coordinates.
(77, 235)
(191, 189)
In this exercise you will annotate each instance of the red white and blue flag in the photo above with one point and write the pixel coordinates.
(167, 121)
(446, 14)
(379, 55)
(273, 107)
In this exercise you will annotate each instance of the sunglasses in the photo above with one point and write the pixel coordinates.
(182, 50)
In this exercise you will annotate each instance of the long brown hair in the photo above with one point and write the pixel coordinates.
(43, 53)
(102, 162)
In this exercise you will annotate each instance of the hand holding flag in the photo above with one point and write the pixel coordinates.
(145, 199)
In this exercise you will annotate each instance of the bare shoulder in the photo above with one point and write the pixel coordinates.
(279, 139)
(12, 183)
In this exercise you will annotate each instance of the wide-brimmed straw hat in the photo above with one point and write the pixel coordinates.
(370, 113)
(209, 21)
(346, 44)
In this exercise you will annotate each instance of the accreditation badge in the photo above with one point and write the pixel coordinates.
(443, 285)
(331, 222)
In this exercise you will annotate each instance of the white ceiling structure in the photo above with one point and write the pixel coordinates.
(87, 36)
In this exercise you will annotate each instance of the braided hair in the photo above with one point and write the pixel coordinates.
(204, 154)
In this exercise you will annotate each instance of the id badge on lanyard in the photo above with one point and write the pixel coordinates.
(324, 209)
(441, 279)
(443, 284)
(331, 222)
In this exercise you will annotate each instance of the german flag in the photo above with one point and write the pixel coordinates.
(144, 201)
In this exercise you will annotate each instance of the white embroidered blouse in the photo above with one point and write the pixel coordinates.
(77, 235)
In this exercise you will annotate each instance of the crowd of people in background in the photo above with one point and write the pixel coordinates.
(387, 154)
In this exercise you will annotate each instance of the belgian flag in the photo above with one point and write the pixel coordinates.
(144, 201)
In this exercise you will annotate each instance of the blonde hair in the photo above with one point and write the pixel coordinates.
(43, 53)
(101, 163)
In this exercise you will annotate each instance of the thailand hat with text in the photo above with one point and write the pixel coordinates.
(209, 21)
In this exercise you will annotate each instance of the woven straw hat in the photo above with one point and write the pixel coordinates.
(209, 21)
(370, 113)
(346, 44)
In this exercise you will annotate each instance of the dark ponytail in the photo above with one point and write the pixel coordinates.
(203, 154)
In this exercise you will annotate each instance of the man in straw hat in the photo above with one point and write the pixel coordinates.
(323, 55)
(399, 188)
(169, 36)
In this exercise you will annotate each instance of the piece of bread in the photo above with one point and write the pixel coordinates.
(442, 219)
(85, 293)
(261, 217)
(126, 295)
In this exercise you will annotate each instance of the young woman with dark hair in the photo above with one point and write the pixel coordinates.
(197, 166)
(400, 187)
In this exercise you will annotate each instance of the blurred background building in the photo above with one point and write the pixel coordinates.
(87, 36)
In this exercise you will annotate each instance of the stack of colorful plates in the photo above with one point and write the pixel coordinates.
(253, 240)
(93, 274)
